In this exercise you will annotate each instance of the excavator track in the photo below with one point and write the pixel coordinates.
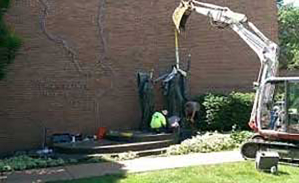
(287, 151)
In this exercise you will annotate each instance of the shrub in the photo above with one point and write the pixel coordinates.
(240, 137)
(217, 110)
(9, 42)
(4, 167)
(221, 112)
(240, 107)
(210, 142)
(23, 162)
(288, 20)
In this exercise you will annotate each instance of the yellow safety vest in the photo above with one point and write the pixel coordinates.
(158, 120)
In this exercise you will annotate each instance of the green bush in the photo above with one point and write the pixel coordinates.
(4, 4)
(4, 167)
(222, 112)
(240, 137)
(24, 162)
(217, 112)
(240, 107)
(288, 21)
(210, 142)
(9, 42)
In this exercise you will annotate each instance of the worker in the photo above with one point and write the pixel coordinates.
(158, 123)
(174, 124)
(191, 109)
(274, 117)
(191, 112)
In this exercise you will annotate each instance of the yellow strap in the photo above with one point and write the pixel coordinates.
(176, 38)
(177, 58)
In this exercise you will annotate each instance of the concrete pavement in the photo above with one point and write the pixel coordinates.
(123, 167)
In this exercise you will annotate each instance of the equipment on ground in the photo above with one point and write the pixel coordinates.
(275, 113)
(267, 161)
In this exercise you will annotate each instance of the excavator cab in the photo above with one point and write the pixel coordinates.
(181, 15)
(277, 120)
(279, 108)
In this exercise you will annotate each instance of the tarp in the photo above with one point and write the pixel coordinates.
(146, 99)
(175, 95)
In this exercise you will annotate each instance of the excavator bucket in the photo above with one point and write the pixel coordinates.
(181, 14)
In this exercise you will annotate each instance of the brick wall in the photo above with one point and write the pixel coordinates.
(77, 72)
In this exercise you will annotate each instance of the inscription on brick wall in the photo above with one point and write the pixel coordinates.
(24, 3)
(73, 92)
(52, 87)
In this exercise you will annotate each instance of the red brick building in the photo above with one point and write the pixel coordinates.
(77, 68)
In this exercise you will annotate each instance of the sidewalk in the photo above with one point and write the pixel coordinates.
(129, 166)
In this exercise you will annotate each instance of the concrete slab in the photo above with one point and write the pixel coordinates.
(159, 163)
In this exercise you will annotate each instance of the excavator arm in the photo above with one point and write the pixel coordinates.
(222, 17)
(217, 13)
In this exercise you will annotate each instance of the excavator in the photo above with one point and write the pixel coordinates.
(275, 113)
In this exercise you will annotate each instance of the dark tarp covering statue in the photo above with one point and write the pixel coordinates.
(174, 92)
(146, 99)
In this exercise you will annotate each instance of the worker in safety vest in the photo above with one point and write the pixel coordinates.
(158, 122)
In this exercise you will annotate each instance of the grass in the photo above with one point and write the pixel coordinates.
(244, 172)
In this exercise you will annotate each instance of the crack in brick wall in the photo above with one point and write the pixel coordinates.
(56, 39)
(102, 62)
(104, 48)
